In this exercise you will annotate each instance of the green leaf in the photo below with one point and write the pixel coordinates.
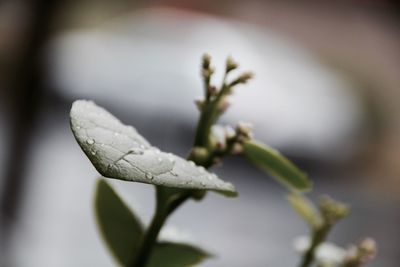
(279, 167)
(123, 234)
(120, 228)
(168, 254)
(119, 151)
(306, 209)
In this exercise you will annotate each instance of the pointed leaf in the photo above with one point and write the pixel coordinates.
(168, 254)
(120, 228)
(119, 151)
(306, 209)
(279, 167)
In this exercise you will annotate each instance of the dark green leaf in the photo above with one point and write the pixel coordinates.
(120, 228)
(279, 167)
(167, 254)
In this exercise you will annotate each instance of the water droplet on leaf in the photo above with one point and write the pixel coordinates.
(156, 150)
(149, 176)
(90, 141)
(191, 163)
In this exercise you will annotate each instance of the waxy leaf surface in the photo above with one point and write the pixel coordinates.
(119, 151)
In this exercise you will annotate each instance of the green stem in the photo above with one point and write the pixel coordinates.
(167, 201)
(208, 117)
(204, 126)
(149, 240)
(170, 199)
(319, 236)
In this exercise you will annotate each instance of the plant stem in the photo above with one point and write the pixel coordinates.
(149, 239)
(319, 236)
(208, 117)
(170, 199)
(167, 201)
(204, 126)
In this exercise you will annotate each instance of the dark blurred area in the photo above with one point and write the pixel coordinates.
(326, 93)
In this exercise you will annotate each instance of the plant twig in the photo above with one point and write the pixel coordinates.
(166, 204)
(318, 236)
(170, 199)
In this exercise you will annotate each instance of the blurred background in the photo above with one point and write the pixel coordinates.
(326, 93)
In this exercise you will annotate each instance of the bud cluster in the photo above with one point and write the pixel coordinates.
(332, 211)
(226, 140)
(218, 95)
(244, 131)
(359, 255)
(218, 140)
(206, 61)
(230, 64)
(242, 79)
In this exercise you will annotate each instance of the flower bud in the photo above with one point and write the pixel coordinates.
(212, 90)
(223, 105)
(199, 154)
(332, 211)
(244, 128)
(218, 136)
(207, 72)
(367, 248)
(362, 253)
(230, 64)
(242, 79)
(237, 148)
(206, 60)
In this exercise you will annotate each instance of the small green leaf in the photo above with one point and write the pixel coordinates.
(168, 254)
(120, 228)
(279, 167)
(118, 151)
(306, 209)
